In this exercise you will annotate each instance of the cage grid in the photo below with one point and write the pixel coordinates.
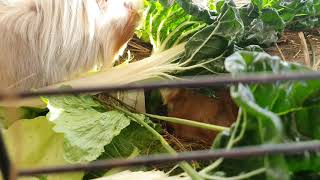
(10, 173)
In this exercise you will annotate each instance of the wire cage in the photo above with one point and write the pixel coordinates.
(10, 173)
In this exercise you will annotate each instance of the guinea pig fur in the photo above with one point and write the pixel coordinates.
(49, 41)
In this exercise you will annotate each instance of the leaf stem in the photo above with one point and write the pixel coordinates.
(184, 165)
(239, 177)
(189, 122)
(229, 146)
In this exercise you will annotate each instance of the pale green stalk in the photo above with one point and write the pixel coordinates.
(189, 123)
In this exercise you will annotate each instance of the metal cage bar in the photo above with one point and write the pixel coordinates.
(190, 82)
(295, 148)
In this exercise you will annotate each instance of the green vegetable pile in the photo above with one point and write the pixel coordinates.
(218, 37)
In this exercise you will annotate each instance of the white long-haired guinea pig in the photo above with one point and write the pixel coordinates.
(48, 41)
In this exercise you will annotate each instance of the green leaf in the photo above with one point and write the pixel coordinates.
(272, 128)
(307, 121)
(165, 25)
(201, 10)
(244, 132)
(293, 106)
(206, 48)
(297, 14)
(277, 168)
(281, 98)
(86, 126)
(262, 27)
(132, 138)
(133, 141)
(32, 143)
(24, 113)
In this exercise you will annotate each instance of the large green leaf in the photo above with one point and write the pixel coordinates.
(86, 125)
(274, 113)
(23, 113)
(207, 47)
(262, 27)
(298, 14)
(133, 141)
(271, 129)
(280, 98)
(32, 143)
(166, 26)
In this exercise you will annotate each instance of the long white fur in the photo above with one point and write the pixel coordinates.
(158, 65)
(93, 50)
(48, 41)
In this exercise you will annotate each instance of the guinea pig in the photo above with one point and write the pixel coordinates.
(188, 104)
(48, 41)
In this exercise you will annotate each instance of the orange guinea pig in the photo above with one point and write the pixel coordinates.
(49, 41)
(187, 104)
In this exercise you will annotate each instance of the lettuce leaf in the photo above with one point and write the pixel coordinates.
(24, 113)
(133, 141)
(86, 125)
(32, 143)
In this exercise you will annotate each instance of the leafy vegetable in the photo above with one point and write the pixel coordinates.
(200, 10)
(298, 15)
(133, 138)
(23, 112)
(259, 23)
(273, 113)
(87, 127)
(133, 141)
(261, 27)
(165, 27)
(32, 143)
(207, 47)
